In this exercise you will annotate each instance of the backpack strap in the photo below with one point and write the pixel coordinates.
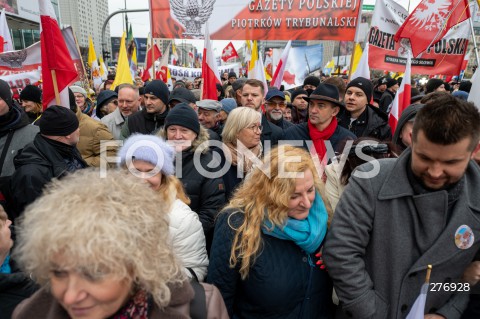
(198, 305)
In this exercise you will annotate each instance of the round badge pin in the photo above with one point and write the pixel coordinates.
(464, 237)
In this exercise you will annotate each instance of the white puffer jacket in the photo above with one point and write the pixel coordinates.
(188, 239)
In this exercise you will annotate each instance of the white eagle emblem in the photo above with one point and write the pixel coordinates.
(227, 52)
(192, 15)
(431, 14)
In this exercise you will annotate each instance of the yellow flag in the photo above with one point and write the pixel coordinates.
(123, 74)
(356, 58)
(91, 52)
(134, 56)
(254, 56)
(330, 65)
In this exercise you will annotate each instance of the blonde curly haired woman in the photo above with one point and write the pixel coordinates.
(101, 252)
(150, 158)
(265, 241)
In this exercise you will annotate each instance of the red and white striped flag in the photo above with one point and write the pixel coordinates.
(157, 54)
(56, 60)
(402, 98)
(6, 43)
(210, 73)
(430, 21)
(280, 68)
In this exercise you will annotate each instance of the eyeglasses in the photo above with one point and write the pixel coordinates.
(255, 127)
(280, 104)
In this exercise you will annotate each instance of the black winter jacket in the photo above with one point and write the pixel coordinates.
(386, 100)
(35, 166)
(14, 288)
(270, 132)
(143, 123)
(281, 283)
(300, 132)
(372, 122)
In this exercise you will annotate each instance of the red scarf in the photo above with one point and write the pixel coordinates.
(319, 137)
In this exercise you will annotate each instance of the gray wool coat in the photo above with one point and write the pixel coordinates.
(382, 238)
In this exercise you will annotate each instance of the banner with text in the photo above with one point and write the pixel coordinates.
(444, 57)
(190, 74)
(22, 67)
(255, 19)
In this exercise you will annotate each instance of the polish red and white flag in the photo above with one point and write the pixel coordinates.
(280, 68)
(402, 98)
(210, 73)
(58, 69)
(5, 38)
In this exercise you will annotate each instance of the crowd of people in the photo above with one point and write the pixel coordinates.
(150, 202)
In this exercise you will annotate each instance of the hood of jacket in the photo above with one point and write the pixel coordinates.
(17, 119)
(409, 113)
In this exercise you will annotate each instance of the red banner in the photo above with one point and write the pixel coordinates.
(255, 19)
(444, 57)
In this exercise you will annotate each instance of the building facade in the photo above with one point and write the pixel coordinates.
(86, 17)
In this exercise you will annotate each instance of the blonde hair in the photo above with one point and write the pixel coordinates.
(119, 227)
(261, 197)
(238, 119)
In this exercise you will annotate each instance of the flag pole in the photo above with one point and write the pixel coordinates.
(429, 271)
(80, 55)
(474, 41)
(153, 56)
(355, 41)
(55, 87)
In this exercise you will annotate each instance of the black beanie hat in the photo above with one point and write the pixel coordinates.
(159, 89)
(232, 75)
(6, 93)
(183, 115)
(391, 82)
(363, 84)
(298, 92)
(58, 121)
(312, 80)
(432, 85)
(31, 93)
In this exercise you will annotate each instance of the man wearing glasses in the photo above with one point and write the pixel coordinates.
(275, 106)
(128, 104)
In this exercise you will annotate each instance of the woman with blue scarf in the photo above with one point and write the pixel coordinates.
(263, 253)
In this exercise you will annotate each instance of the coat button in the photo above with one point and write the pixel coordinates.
(304, 259)
(404, 308)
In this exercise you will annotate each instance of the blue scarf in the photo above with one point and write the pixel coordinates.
(308, 234)
(5, 268)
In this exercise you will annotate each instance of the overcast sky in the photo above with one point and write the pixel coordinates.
(141, 21)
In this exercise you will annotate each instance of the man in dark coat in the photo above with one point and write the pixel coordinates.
(15, 130)
(361, 118)
(275, 105)
(152, 117)
(321, 127)
(52, 154)
(388, 96)
(399, 215)
(253, 94)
